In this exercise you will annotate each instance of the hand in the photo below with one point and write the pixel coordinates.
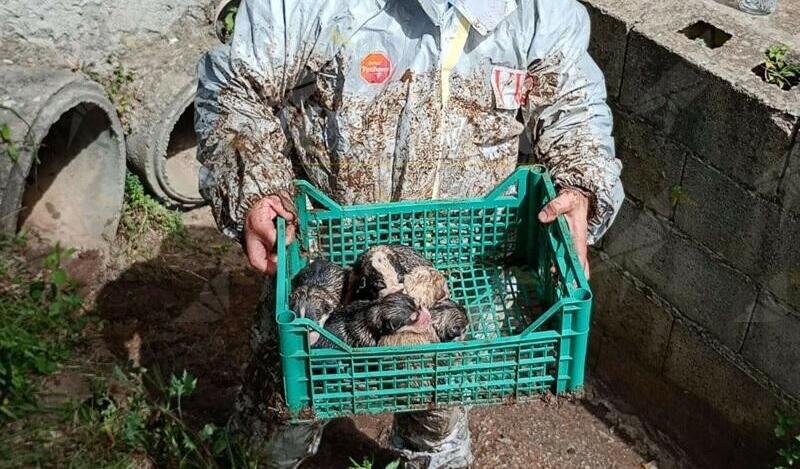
(574, 205)
(261, 233)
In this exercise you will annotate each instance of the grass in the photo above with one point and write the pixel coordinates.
(39, 323)
(144, 219)
(132, 417)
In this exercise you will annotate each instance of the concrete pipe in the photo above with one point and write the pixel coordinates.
(161, 141)
(62, 167)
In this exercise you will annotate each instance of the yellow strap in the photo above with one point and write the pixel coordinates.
(453, 53)
(449, 60)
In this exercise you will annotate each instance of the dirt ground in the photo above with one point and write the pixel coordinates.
(190, 304)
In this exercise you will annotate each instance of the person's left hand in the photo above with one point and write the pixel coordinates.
(574, 205)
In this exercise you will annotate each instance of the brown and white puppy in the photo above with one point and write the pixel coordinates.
(449, 322)
(387, 269)
(317, 290)
(363, 323)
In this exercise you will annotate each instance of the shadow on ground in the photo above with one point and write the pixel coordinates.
(190, 306)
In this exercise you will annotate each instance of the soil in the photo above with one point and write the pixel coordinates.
(190, 305)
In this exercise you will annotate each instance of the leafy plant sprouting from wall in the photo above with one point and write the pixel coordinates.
(8, 145)
(780, 67)
(788, 431)
(227, 20)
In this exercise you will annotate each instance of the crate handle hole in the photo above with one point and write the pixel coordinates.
(286, 317)
(582, 294)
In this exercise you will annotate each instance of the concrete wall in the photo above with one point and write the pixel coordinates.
(697, 286)
(89, 31)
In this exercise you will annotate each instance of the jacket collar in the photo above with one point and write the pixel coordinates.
(483, 15)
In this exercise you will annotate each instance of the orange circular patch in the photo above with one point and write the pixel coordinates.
(376, 68)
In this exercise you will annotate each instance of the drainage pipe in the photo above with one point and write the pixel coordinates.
(161, 140)
(62, 168)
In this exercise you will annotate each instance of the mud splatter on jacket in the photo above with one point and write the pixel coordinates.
(376, 100)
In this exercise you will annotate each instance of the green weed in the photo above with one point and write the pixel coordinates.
(787, 430)
(678, 195)
(38, 324)
(143, 215)
(228, 18)
(138, 413)
(779, 68)
(368, 464)
(116, 84)
(9, 146)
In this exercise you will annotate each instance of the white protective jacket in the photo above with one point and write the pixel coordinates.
(379, 100)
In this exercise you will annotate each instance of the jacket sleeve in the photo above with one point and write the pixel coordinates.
(241, 145)
(566, 111)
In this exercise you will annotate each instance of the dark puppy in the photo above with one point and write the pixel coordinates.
(317, 290)
(387, 269)
(449, 320)
(363, 323)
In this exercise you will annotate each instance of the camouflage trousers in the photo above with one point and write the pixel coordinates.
(437, 439)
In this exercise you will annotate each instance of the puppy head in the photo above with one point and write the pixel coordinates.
(449, 320)
(375, 274)
(426, 285)
(312, 302)
(399, 312)
(317, 290)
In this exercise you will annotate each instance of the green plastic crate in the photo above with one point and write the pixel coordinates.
(529, 322)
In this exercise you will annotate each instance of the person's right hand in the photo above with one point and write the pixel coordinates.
(261, 233)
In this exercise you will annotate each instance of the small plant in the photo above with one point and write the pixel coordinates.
(116, 84)
(8, 144)
(788, 431)
(368, 464)
(678, 195)
(779, 68)
(141, 214)
(227, 21)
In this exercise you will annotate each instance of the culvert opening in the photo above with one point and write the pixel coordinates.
(68, 193)
(181, 167)
(706, 34)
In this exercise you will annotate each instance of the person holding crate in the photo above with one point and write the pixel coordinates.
(386, 100)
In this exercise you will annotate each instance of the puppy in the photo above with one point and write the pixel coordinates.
(383, 270)
(317, 290)
(363, 323)
(449, 320)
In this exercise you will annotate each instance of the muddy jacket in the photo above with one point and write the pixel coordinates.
(378, 100)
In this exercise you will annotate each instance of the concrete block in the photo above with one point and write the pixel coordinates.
(653, 164)
(607, 46)
(735, 131)
(790, 185)
(698, 284)
(725, 217)
(696, 427)
(629, 318)
(706, 372)
(751, 232)
(773, 343)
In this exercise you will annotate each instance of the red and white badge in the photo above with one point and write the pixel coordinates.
(376, 68)
(508, 85)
